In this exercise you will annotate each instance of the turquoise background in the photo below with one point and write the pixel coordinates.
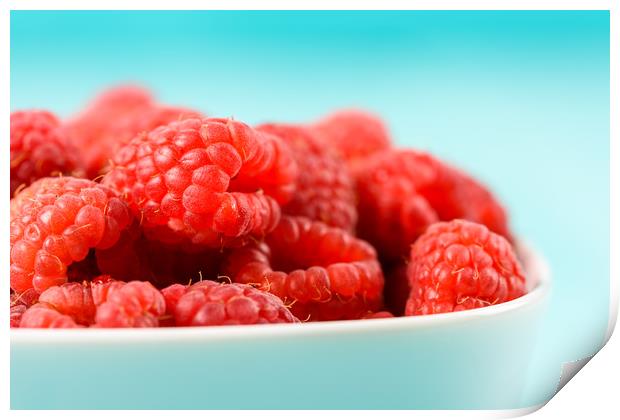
(520, 99)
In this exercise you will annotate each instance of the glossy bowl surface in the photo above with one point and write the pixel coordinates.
(477, 359)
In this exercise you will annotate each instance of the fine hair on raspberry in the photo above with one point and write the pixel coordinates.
(322, 272)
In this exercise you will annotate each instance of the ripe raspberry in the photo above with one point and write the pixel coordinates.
(354, 133)
(39, 148)
(136, 304)
(325, 190)
(208, 303)
(402, 192)
(55, 223)
(42, 315)
(91, 127)
(72, 299)
(461, 265)
(377, 315)
(211, 182)
(323, 272)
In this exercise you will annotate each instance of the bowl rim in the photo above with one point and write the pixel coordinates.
(534, 263)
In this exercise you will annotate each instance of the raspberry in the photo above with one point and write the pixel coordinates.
(136, 304)
(55, 223)
(42, 315)
(402, 192)
(354, 133)
(461, 265)
(72, 299)
(39, 148)
(377, 315)
(208, 303)
(209, 182)
(325, 189)
(323, 272)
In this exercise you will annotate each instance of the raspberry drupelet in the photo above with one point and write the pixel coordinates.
(55, 223)
(461, 265)
(402, 192)
(323, 273)
(208, 303)
(324, 189)
(355, 134)
(39, 148)
(212, 182)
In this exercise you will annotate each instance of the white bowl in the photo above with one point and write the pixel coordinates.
(476, 359)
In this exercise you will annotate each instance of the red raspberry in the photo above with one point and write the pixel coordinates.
(91, 127)
(461, 265)
(325, 189)
(211, 182)
(323, 272)
(55, 223)
(136, 304)
(39, 148)
(42, 315)
(378, 315)
(354, 133)
(402, 192)
(208, 303)
(72, 299)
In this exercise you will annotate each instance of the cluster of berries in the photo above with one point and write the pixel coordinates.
(120, 214)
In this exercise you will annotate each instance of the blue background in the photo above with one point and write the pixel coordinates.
(520, 99)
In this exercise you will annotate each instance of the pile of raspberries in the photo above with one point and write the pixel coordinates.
(134, 213)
